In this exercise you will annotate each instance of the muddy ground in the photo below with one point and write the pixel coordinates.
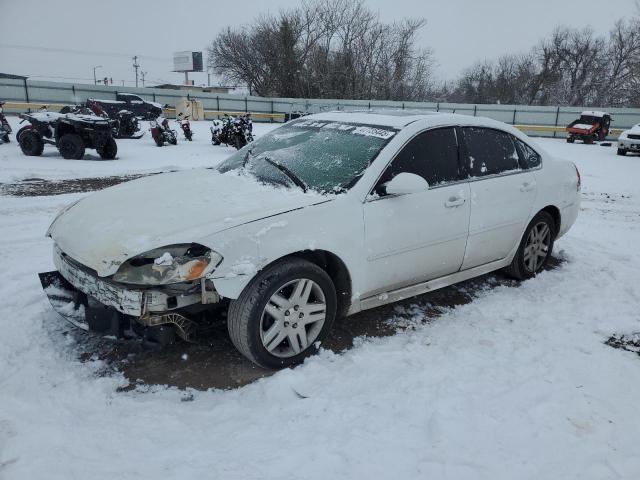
(213, 362)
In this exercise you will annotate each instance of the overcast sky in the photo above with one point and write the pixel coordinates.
(66, 38)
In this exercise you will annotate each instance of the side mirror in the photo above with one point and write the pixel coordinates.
(405, 183)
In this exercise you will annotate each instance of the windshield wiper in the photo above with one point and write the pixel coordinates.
(292, 176)
(246, 157)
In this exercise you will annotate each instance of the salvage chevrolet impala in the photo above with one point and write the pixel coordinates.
(325, 216)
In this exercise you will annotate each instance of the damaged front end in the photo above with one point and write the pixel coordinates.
(158, 313)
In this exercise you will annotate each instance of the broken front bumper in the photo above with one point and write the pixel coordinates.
(93, 303)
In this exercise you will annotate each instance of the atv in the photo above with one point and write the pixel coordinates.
(591, 126)
(125, 125)
(5, 128)
(71, 133)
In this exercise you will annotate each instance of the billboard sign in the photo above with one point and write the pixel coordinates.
(187, 62)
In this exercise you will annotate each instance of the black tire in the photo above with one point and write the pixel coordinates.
(588, 140)
(245, 313)
(239, 142)
(570, 140)
(215, 141)
(6, 138)
(159, 140)
(173, 140)
(109, 150)
(71, 146)
(31, 142)
(518, 268)
(21, 131)
(622, 152)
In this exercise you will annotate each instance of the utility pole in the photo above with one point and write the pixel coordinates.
(136, 66)
(95, 80)
(143, 74)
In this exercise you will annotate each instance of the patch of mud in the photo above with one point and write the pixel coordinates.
(630, 343)
(38, 187)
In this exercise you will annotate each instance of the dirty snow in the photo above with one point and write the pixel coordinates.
(518, 384)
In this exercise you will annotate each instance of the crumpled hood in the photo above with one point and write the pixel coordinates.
(106, 228)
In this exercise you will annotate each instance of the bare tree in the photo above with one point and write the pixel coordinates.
(326, 49)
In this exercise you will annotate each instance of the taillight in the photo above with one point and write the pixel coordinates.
(578, 174)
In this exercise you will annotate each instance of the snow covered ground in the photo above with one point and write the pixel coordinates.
(518, 384)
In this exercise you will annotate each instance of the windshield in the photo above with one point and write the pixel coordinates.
(311, 154)
(589, 120)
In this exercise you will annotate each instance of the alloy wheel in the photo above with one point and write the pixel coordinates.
(293, 318)
(536, 249)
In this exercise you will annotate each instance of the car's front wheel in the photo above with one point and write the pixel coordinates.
(622, 152)
(535, 247)
(284, 314)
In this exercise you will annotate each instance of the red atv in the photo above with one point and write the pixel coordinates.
(591, 126)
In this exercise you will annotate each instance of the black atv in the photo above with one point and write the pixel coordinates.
(125, 125)
(71, 133)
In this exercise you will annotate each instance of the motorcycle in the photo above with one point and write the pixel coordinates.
(5, 128)
(127, 125)
(233, 131)
(161, 132)
(185, 125)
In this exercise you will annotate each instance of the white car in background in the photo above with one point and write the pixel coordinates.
(327, 215)
(629, 140)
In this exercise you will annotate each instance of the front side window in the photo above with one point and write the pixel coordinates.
(432, 154)
(490, 152)
(320, 155)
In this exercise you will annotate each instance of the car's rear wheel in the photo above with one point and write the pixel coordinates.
(570, 140)
(109, 150)
(284, 314)
(535, 247)
(71, 146)
(31, 142)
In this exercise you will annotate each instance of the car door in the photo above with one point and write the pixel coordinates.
(502, 195)
(420, 236)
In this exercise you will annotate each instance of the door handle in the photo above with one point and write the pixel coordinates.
(527, 186)
(454, 202)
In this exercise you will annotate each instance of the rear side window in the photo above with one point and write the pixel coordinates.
(529, 158)
(432, 154)
(490, 152)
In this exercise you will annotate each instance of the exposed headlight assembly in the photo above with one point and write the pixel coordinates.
(168, 265)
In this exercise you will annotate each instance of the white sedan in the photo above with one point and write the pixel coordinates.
(327, 215)
(629, 141)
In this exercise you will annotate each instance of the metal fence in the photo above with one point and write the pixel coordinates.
(53, 92)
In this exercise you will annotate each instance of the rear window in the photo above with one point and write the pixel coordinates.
(490, 152)
(529, 158)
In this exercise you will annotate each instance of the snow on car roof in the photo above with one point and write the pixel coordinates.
(594, 113)
(401, 118)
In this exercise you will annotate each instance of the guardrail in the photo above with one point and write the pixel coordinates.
(614, 132)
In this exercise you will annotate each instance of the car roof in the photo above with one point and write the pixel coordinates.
(401, 118)
(594, 113)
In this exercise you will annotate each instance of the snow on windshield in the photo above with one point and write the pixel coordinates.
(325, 156)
